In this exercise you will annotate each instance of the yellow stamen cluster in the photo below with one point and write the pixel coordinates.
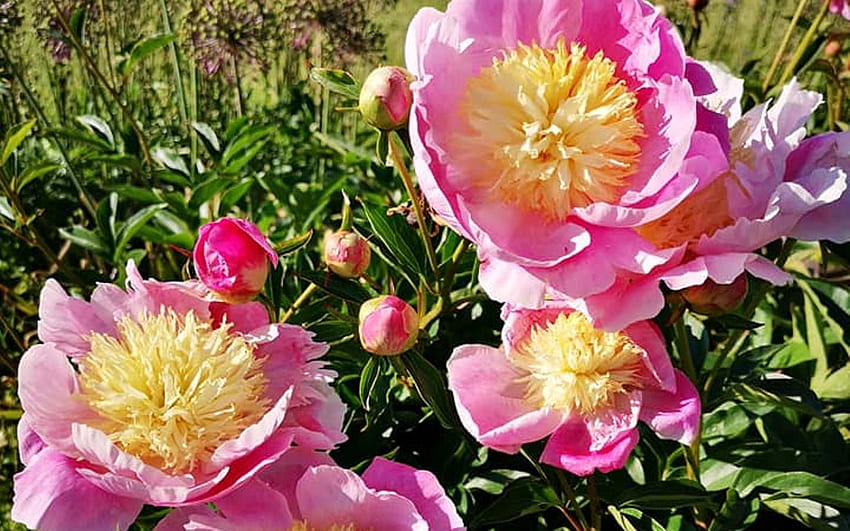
(171, 388)
(548, 130)
(574, 367)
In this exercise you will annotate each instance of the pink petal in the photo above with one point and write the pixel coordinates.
(329, 495)
(66, 321)
(608, 426)
(287, 349)
(255, 506)
(316, 424)
(47, 385)
(490, 399)
(570, 448)
(51, 495)
(675, 415)
(648, 337)
(283, 474)
(29, 443)
(419, 486)
(244, 317)
(180, 519)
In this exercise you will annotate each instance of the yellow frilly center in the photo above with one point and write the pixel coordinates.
(576, 368)
(170, 388)
(548, 130)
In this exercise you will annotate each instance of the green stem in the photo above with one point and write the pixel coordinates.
(298, 302)
(568, 490)
(545, 478)
(175, 60)
(240, 103)
(36, 107)
(786, 39)
(684, 349)
(807, 40)
(401, 167)
(595, 507)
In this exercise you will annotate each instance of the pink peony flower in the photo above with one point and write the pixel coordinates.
(840, 7)
(385, 98)
(557, 376)
(347, 253)
(305, 490)
(159, 395)
(546, 130)
(388, 326)
(774, 185)
(232, 258)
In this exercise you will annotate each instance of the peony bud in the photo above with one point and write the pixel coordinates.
(712, 298)
(388, 326)
(832, 48)
(347, 253)
(385, 98)
(232, 258)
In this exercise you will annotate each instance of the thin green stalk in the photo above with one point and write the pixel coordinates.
(92, 67)
(240, 102)
(175, 61)
(595, 506)
(684, 349)
(571, 494)
(807, 40)
(545, 478)
(401, 167)
(298, 302)
(786, 39)
(107, 34)
(39, 112)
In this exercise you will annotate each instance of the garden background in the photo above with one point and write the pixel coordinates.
(126, 125)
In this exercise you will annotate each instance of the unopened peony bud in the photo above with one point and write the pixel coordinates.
(832, 48)
(232, 258)
(712, 298)
(385, 98)
(388, 326)
(347, 253)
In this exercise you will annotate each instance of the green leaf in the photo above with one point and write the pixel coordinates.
(495, 481)
(86, 239)
(735, 513)
(836, 386)
(13, 139)
(401, 242)
(35, 172)
(77, 22)
(206, 190)
(431, 385)
(86, 137)
(522, 497)
(6, 209)
(171, 159)
(341, 288)
(106, 214)
(208, 137)
(135, 193)
(337, 81)
(781, 392)
(646, 522)
(797, 484)
(143, 49)
(99, 127)
(815, 515)
(290, 245)
(245, 146)
(382, 148)
(369, 377)
(235, 193)
(665, 495)
(132, 225)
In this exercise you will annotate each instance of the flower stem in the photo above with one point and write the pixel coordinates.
(298, 302)
(801, 6)
(568, 490)
(401, 167)
(175, 61)
(545, 478)
(807, 40)
(684, 349)
(595, 507)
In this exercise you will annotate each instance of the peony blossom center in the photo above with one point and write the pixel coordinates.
(304, 526)
(171, 388)
(549, 130)
(574, 367)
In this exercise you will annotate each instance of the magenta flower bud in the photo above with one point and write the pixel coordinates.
(388, 326)
(712, 298)
(347, 253)
(385, 98)
(232, 258)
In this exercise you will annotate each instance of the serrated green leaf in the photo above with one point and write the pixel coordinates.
(143, 49)
(98, 127)
(522, 497)
(336, 81)
(342, 288)
(13, 139)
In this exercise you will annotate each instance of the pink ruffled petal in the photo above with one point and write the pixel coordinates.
(51, 495)
(47, 385)
(287, 349)
(283, 474)
(245, 317)
(329, 495)
(570, 448)
(673, 415)
(419, 486)
(66, 321)
(490, 400)
(656, 359)
(317, 424)
(29, 443)
(607, 426)
(255, 506)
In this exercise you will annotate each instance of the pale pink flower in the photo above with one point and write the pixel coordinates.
(305, 491)
(347, 253)
(232, 258)
(840, 7)
(546, 130)
(556, 376)
(774, 185)
(159, 395)
(388, 325)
